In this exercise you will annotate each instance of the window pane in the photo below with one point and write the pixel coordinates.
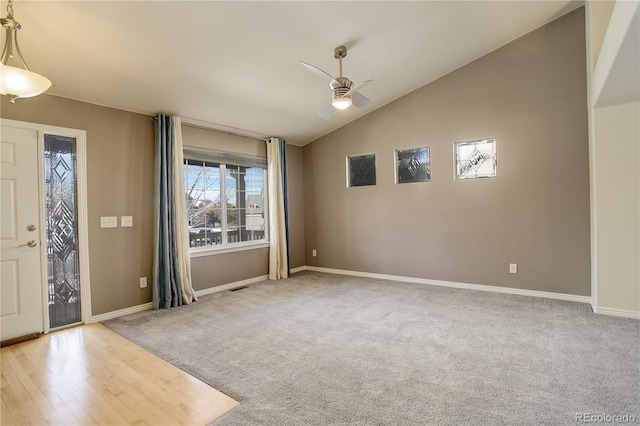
(255, 204)
(62, 230)
(244, 202)
(233, 236)
(244, 234)
(232, 219)
(202, 192)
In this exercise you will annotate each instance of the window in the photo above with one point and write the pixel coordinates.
(226, 201)
(475, 159)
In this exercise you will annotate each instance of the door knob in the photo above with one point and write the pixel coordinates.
(30, 243)
(31, 228)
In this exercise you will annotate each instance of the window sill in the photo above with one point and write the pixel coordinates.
(213, 250)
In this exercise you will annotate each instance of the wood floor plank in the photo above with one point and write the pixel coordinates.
(91, 376)
(16, 396)
(157, 406)
(15, 361)
(80, 412)
(99, 409)
(6, 419)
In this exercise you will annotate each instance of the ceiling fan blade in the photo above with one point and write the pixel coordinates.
(319, 72)
(360, 100)
(357, 87)
(326, 111)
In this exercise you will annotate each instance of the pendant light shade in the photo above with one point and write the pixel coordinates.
(21, 83)
(16, 80)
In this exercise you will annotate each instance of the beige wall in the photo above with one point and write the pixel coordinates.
(531, 96)
(617, 188)
(225, 268)
(218, 269)
(206, 138)
(120, 183)
(120, 164)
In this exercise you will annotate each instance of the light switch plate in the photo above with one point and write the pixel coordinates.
(109, 222)
(126, 221)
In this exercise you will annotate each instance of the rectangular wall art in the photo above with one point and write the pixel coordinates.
(475, 159)
(413, 165)
(361, 170)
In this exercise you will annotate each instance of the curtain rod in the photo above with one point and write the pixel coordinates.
(198, 124)
(217, 128)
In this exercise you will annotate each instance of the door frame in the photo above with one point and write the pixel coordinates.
(83, 228)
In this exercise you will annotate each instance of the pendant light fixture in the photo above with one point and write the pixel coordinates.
(16, 81)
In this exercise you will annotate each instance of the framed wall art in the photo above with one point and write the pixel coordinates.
(475, 159)
(413, 165)
(361, 170)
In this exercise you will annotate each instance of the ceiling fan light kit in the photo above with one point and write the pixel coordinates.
(16, 80)
(339, 98)
(341, 103)
(343, 93)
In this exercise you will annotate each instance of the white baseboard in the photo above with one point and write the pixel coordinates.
(508, 290)
(231, 286)
(467, 286)
(617, 312)
(121, 312)
(149, 306)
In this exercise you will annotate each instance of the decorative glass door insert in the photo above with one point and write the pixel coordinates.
(63, 268)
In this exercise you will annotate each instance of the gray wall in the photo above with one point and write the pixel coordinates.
(219, 269)
(531, 96)
(210, 271)
(120, 164)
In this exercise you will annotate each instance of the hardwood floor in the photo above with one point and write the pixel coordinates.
(90, 375)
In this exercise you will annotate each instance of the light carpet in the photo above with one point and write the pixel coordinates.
(321, 349)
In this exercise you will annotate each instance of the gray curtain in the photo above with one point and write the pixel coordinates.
(171, 262)
(285, 197)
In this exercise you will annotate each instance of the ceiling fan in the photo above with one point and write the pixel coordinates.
(343, 92)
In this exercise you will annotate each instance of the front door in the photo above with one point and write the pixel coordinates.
(21, 296)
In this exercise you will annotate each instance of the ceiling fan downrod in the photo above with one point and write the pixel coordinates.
(344, 84)
(339, 53)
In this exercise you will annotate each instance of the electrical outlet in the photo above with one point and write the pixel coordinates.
(513, 268)
(143, 282)
(314, 253)
(126, 221)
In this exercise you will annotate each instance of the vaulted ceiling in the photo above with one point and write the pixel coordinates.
(234, 64)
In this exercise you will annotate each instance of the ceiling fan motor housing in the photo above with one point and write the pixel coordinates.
(340, 86)
(339, 92)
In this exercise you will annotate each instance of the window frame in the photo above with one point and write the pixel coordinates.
(225, 246)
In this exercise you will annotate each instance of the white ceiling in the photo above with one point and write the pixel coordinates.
(234, 64)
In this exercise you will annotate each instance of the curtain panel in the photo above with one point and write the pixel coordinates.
(278, 209)
(171, 262)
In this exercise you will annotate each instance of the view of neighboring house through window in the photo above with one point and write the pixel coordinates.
(225, 202)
